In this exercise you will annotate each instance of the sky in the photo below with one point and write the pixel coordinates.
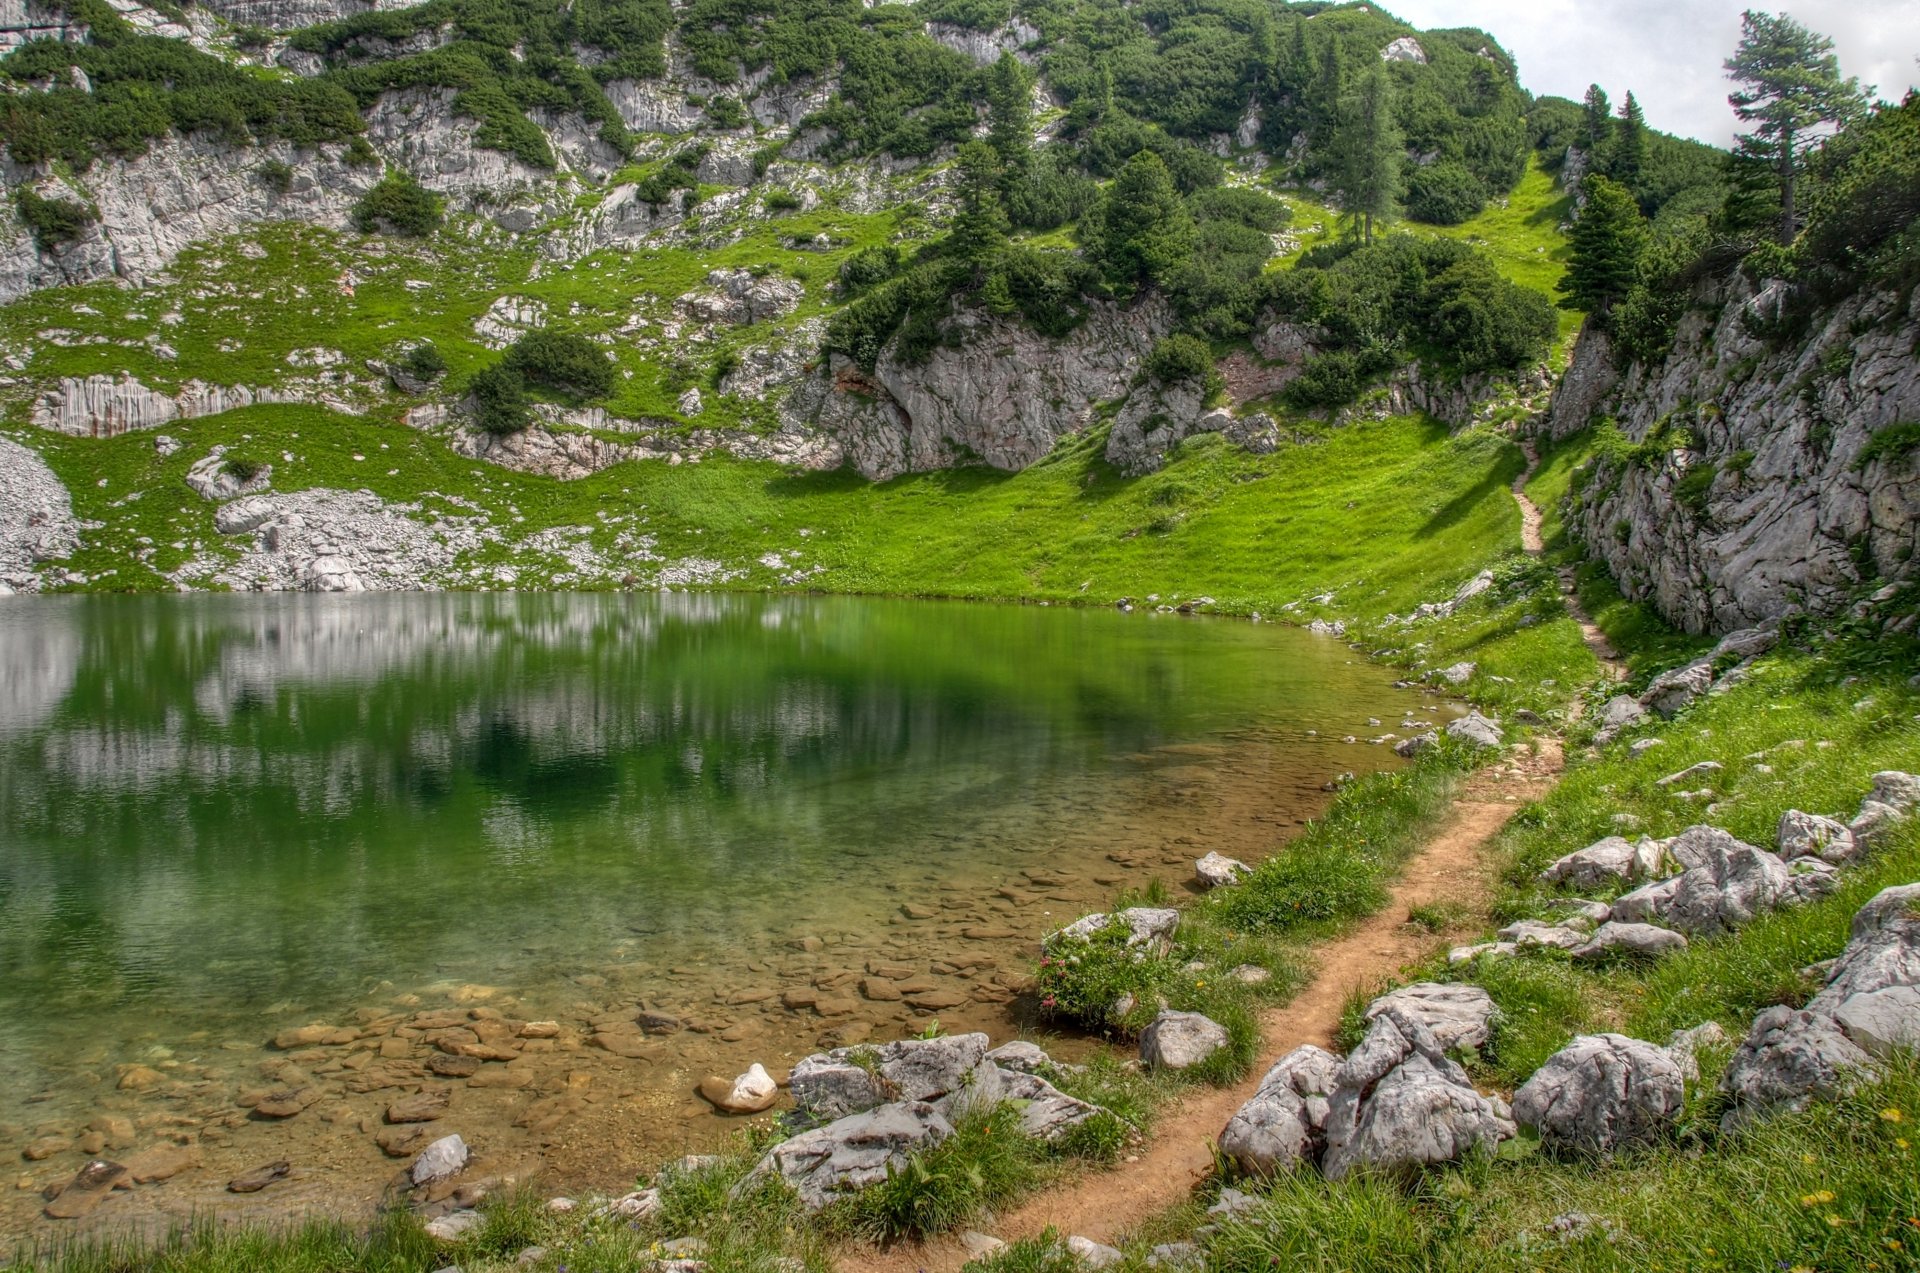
(1669, 51)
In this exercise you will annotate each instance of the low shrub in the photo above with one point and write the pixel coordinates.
(398, 205)
(53, 222)
(1085, 980)
(565, 363)
(499, 400)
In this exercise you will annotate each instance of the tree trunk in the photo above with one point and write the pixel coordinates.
(1787, 215)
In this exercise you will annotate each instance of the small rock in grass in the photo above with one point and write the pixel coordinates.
(1180, 1040)
(1094, 1255)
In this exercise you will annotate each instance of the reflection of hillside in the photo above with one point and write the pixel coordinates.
(39, 654)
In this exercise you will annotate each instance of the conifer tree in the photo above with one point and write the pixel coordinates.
(980, 225)
(1627, 156)
(1604, 261)
(1329, 83)
(1010, 115)
(1596, 128)
(1792, 92)
(1146, 231)
(1369, 150)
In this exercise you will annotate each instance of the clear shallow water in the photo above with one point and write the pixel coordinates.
(225, 816)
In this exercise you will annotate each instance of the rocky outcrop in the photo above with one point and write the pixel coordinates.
(107, 406)
(1755, 488)
(37, 524)
(999, 393)
(1400, 1104)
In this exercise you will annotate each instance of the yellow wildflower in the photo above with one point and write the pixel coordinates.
(1892, 1114)
(1820, 1199)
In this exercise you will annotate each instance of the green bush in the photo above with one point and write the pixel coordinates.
(868, 268)
(1181, 359)
(1325, 380)
(784, 200)
(53, 222)
(1444, 193)
(499, 400)
(726, 112)
(398, 205)
(423, 361)
(1081, 980)
(275, 175)
(565, 363)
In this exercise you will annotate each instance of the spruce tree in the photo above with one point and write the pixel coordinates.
(1596, 128)
(1604, 260)
(1627, 156)
(1145, 232)
(1794, 96)
(1010, 115)
(1369, 150)
(1328, 87)
(980, 226)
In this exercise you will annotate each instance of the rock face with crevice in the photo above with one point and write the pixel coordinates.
(1757, 489)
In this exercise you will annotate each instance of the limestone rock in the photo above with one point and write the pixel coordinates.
(1046, 1113)
(90, 1186)
(1601, 1093)
(1021, 1057)
(751, 1093)
(1788, 1059)
(1810, 835)
(1153, 421)
(1616, 939)
(330, 572)
(1216, 870)
(1414, 746)
(848, 1155)
(1672, 692)
(1612, 861)
(1095, 1255)
(1285, 1122)
(1404, 49)
(1400, 1104)
(1460, 1016)
(1475, 729)
(242, 515)
(443, 1159)
(1728, 891)
(1180, 1040)
(1530, 934)
(1149, 927)
(1882, 1022)
(260, 1177)
(1685, 1046)
(1883, 949)
(161, 1162)
(833, 1084)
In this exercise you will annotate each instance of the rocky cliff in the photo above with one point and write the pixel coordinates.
(1766, 464)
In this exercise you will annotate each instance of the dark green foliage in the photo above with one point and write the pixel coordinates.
(1890, 445)
(726, 112)
(1373, 306)
(1624, 158)
(980, 223)
(423, 361)
(398, 205)
(868, 268)
(564, 363)
(145, 87)
(1370, 149)
(1867, 199)
(1793, 94)
(1607, 241)
(1044, 288)
(1644, 322)
(275, 175)
(676, 174)
(499, 400)
(911, 305)
(1444, 193)
(783, 200)
(53, 222)
(1050, 191)
(1180, 358)
(1081, 980)
(1144, 232)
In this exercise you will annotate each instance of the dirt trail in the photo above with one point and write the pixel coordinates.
(1569, 594)
(1450, 868)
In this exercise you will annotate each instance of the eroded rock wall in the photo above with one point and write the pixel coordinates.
(1754, 486)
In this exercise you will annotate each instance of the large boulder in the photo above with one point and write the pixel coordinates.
(1882, 1022)
(846, 1156)
(830, 1085)
(1046, 1113)
(1612, 861)
(1787, 1060)
(1400, 1104)
(1600, 1093)
(1671, 692)
(1893, 799)
(1883, 950)
(1728, 891)
(1460, 1016)
(1285, 1122)
(1180, 1040)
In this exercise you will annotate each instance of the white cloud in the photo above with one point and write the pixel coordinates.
(1669, 51)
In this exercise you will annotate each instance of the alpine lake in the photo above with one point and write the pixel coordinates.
(682, 833)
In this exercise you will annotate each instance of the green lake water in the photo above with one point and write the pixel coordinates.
(224, 815)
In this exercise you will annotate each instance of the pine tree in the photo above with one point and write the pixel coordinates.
(1604, 260)
(1327, 94)
(1145, 230)
(1010, 115)
(980, 226)
(1627, 156)
(1793, 94)
(1596, 128)
(1370, 150)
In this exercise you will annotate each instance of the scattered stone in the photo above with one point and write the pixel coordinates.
(44, 1147)
(288, 1101)
(260, 1177)
(161, 1162)
(1180, 1040)
(835, 1084)
(1177, 1255)
(1581, 908)
(442, 1160)
(1285, 1121)
(1481, 950)
(1641, 746)
(1416, 745)
(454, 1067)
(751, 1093)
(1250, 974)
(1531, 934)
(1093, 1254)
(1148, 926)
(1476, 730)
(1021, 1057)
(89, 1187)
(1460, 1016)
(404, 1140)
(1700, 770)
(1217, 870)
(421, 1107)
(1602, 1093)
(454, 1226)
(1617, 939)
(1458, 674)
(310, 1036)
(1685, 1046)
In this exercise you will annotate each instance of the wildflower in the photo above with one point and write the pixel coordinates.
(1819, 1199)
(1836, 1222)
(1900, 1142)
(1892, 1114)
